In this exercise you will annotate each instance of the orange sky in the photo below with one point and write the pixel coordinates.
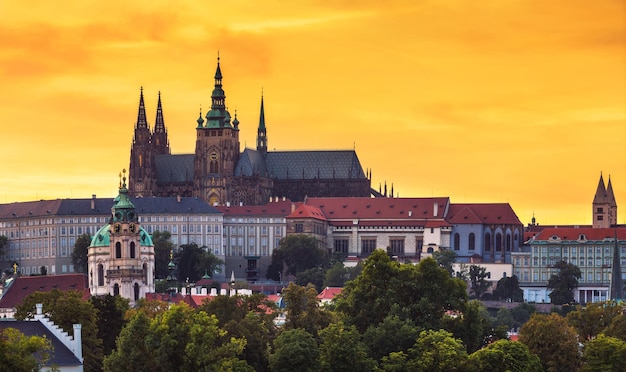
(492, 101)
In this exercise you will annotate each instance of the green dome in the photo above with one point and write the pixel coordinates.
(102, 238)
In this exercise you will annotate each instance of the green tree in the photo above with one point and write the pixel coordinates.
(504, 356)
(522, 312)
(110, 321)
(391, 335)
(303, 310)
(446, 259)
(295, 350)
(3, 243)
(420, 292)
(342, 349)
(592, 319)
(194, 262)
(474, 326)
(295, 254)
(504, 318)
(162, 248)
(563, 283)
(314, 275)
(478, 281)
(617, 328)
(79, 254)
(508, 289)
(134, 351)
(66, 308)
(553, 341)
(605, 353)
(437, 351)
(23, 353)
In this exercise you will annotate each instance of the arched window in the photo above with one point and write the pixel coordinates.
(487, 242)
(498, 242)
(136, 290)
(132, 249)
(100, 275)
(213, 167)
(118, 250)
(116, 290)
(457, 242)
(508, 242)
(430, 250)
(472, 241)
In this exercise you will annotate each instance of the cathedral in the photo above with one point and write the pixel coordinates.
(220, 174)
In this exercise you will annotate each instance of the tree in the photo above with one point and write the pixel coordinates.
(79, 254)
(314, 275)
(504, 318)
(162, 248)
(342, 349)
(391, 335)
(617, 328)
(592, 319)
(504, 356)
(295, 350)
(508, 289)
(194, 262)
(478, 281)
(563, 283)
(66, 308)
(303, 310)
(298, 253)
(110, 321)
(474, 326)
(522, 312)
(3, 243)
(553, 341)
(23, 353)
(437, 351)
(446, 259)
(605, 353)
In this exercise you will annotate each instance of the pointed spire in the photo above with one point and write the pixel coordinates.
(261, 138)
(600, 196)
(617, 284)
(200, 120)
(262, 116)
(609, 193)
(141, 115)
(159, 125)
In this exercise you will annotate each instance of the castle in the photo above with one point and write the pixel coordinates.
(220, 174)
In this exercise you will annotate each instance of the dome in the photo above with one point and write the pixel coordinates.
(102, 237)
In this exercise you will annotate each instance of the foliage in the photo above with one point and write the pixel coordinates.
(151, 308)
(391, 335)
(605, 353)
(445, 258)
(478, 281)
(314, 275)
(295, 254)
(23, 353)
(504, 318)
(504, 356)
(194, 262)
(79, 254)
(437, 351)
(295, 350)
(303, 310)
(508, 289)
(337, 275)
(66, 308)
(342, 349)
(474, 327)
(522, 312)
(420, 292)
(162, 248)
(617, 328)
(177, 339)
(3, 243)
(563, 283)
(110, 321)
(553, 341)
(592, 319)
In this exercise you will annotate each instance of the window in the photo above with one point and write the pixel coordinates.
(368, 245)
(118, 250)
(472, 241)
(341, 246)
(299, 228)
(136, 290)
(132, 249)
(100, 275)
(508, 243)
(457, 242)
(600, 218)
(397, 246)
(116, 290)
(499, 242)
(487, 242)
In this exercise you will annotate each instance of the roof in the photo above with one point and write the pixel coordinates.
(60, 356)
(403, 210)
(282, 207)
(314, 165)
(174, 168)
(251, 162)
(307, 211)
(482, 213)
(329, 293)
(574, 233)
(25, 285)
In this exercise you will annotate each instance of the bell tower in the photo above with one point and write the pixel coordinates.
(141, 174)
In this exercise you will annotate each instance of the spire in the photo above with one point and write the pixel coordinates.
(200, 120)
(261, 138)
(123, 209)
(218, 116)
(617, 284)
(141, 115)
(600, 196)
(262, 116)
(159, 125)
(609, 193)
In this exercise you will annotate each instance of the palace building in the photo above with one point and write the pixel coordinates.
(219, 173)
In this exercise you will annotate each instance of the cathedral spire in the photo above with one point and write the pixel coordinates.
(159, 141)
(609, 193)
(617, 284)
(600, 196)
(159, 125)
(141, 115)
(261, 139)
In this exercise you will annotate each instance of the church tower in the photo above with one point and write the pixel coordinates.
(121, 254)
(141, 174)
(261, 137)
(217, 149)
(159, 141)
(604, 205)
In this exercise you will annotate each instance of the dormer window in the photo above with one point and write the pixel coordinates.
(582, 237)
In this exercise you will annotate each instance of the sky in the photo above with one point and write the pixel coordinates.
(520, 102)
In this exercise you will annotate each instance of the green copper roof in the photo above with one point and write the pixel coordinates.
(123, 209)
(102, 237)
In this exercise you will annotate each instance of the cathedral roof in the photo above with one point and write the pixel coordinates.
(174, 168)
(322, 164)
(251, 162)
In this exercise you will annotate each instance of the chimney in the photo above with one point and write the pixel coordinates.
(78, 343)
(178, 198)
(93, 201)
(435, 209)
(39, 309)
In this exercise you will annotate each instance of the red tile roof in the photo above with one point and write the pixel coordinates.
(484, 213)
(307, 211)
(329, 293)
(25, 285)
(405, 209)
(573, 233)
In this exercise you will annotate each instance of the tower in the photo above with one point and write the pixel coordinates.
(261, 137)
(158, 139)
(141, 173)
(121, 254)
(217, 148)
(604, 205)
